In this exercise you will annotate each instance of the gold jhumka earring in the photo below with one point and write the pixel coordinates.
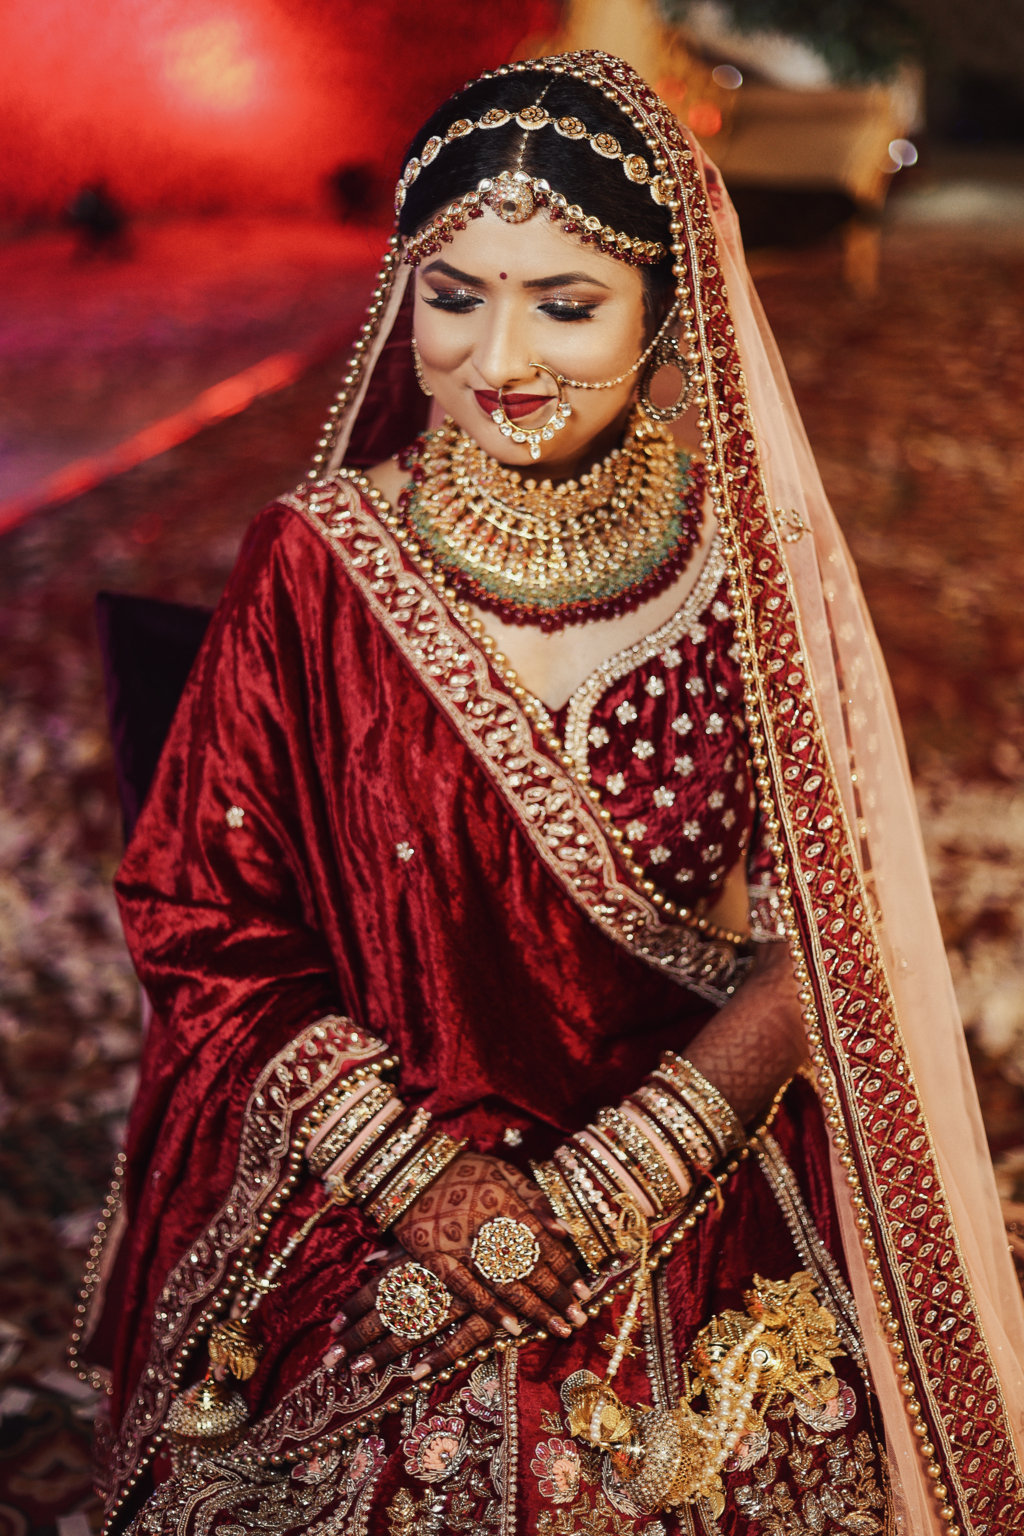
(668, 354)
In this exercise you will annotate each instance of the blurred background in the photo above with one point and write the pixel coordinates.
(193, 197)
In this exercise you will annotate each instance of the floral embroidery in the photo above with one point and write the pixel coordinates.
(234, 816)
(615, 783)
(635, 830)
(671, 657)
(625, 713)
(681, 724)
(694, 686)
(826, 1418)
(660, 854)
(404, 851)
(556, 1465)
(684, 765)
(751, 1450)
(715, 725)
(598, 736)
(716, 800)
(482, 1396)
(792, 1494)
(691, 830)
(435, 1448)
(643, 748)
(654, 687)
(366, 1460)
(663, 796)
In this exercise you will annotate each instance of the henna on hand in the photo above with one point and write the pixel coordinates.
(440, 1226)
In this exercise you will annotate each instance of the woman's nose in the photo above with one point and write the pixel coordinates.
(501, 355)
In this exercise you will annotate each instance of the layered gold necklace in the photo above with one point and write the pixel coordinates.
(551, 555)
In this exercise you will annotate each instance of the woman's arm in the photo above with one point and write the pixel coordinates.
(755, 1043)
(751, 1047)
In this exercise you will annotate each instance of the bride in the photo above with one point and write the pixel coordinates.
(555, 1116)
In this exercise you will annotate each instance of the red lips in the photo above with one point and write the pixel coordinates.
(515, 405)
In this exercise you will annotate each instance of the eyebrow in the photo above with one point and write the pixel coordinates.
(560, 280)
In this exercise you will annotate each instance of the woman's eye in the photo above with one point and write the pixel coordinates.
(456, 300)
(562, 309)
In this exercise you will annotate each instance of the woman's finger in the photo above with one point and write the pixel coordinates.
(475, 1331)
(359, 1335)
(363, 1300)
(391, 1345)
(461, 1282)
(529, 1304)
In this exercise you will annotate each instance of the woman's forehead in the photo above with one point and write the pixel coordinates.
(533, 251)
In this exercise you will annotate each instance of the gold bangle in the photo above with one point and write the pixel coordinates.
(427, 1164)
(562, 1200)
(387, 1158)
(628, 1137)
(679, 1121)
(725, 1122)
(348, 1127)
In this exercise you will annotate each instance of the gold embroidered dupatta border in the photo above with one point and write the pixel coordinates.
(288, 1086)
(548, 802)
(870, 1102)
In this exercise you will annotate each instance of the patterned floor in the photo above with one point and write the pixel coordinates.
(913, 404)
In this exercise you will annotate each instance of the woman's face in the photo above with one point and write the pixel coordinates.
(502, 297)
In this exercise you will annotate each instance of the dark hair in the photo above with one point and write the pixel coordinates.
(573, 167)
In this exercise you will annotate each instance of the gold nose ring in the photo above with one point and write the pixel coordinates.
(535, 436)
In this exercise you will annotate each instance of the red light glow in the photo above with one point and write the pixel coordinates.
(228, 105)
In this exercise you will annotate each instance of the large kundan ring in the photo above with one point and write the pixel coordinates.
(412, 1302)
(505, 1250)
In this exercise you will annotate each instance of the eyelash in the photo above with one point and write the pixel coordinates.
(457, 302)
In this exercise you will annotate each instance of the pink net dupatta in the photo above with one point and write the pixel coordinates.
(940, 1307)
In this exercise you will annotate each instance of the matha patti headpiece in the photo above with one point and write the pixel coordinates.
(515, 195)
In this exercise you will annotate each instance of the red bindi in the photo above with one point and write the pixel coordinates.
(503, 275)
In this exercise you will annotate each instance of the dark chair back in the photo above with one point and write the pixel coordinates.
(148, 647)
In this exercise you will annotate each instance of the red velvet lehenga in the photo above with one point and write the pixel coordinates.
(357, 844)
(324, 843)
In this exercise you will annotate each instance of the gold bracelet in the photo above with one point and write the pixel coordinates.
(679, 1121)
(725, 1123)
(630, 1140)
(563, 1202)
(384, 1161)
(427, 1164)
(348, 1127)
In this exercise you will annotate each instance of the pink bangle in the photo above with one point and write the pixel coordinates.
(603, 1156)
(680, 1177)
(381, 1120)
(339, 1112)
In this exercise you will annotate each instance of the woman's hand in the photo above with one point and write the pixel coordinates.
(438, 1231)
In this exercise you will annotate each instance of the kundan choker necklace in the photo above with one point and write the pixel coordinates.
(549, 554)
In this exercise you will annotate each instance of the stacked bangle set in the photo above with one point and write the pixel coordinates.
(675, 1126)
(370, 1149)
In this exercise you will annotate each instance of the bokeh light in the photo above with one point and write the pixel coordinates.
(902, 152)
(727, 76)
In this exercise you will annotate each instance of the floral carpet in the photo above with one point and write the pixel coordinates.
(913, 404)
